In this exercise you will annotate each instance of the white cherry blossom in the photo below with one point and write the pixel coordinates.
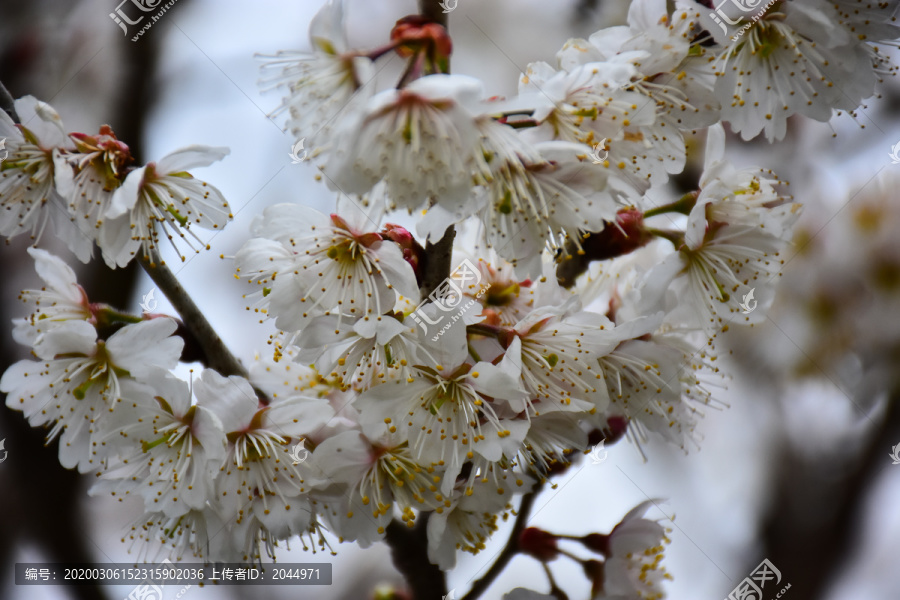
(79, 380)
(667, 56)
(426, 128)
(735, 235)
(172, 451)
(88, 176)
(592, 103)
(636, 549)
(28, 196)
(361, 353)
(258, 481)
(537, 196)
(322, 87)
(309, 264)
(59, 301)
(470, 520)
(448, 411)
(558, 350)
(162, 196)
(796, 59)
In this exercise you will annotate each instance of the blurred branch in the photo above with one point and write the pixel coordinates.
(816, 517)
(409, 551)
(511, 549)
(217, 355)
(432, 10)
(48, 512)
(586, 9)
(8, 104)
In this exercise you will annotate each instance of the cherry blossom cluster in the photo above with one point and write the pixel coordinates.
(89, 188)
(385, 398)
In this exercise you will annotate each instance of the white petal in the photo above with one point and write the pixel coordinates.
(298, 416)
(496, 382)
(326, 31)
(207, 428)
(70, 337)
(383, 329)
(343, 458)
(48, 127)
(397, 271)
(126, 195)
(232, 399)
(117, 242)
(139, 347)
(190, 157)
(56, 274)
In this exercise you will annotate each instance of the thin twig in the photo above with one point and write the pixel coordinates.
(8, 104)
(437, 264)
(218, 356)
(511, 549)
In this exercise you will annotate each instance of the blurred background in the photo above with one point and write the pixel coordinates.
(797, 470)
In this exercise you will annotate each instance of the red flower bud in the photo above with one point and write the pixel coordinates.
(415, 33)
(398, 234)
(412, 251)
(538, 543)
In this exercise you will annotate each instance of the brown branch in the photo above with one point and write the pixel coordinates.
(511, 549)
(436, 265)
(217, 355)
(409, 551)
(431, 9)
(813, 547)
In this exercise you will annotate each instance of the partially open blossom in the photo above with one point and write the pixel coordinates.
(87, 177)
(636, 549)
(416, 33)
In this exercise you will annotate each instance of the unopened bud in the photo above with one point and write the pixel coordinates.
(538, 543)
(415, 33)
(412, 251)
